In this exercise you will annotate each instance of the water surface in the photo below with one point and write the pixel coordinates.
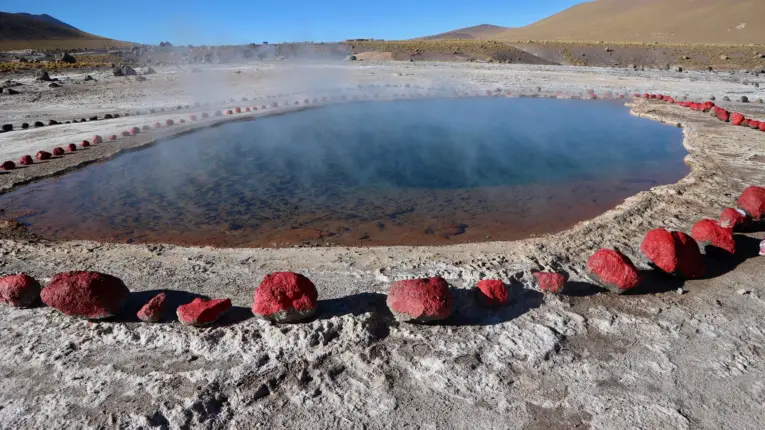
(383, 173)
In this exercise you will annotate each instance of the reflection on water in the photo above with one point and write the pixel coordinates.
(408, 172)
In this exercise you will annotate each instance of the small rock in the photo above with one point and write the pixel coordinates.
(710, 233)
(744, 99)
(19, 290)
(681, 291)
(140, 78)
(7, 127)
(26, 160)
(11, 91)
(674, 252)
(613, 270)
(43, 155)
(154, 309)
(733, 218)
(7, 165)
(726, 98)
(743, 292)
(736, 118)
(724, 57)
(90, 295)
(88, 78)
(42, 75)
(67, 58)
(58, 151)
(752, 201)
(53, 122)
(201, 312)
(39, 124)
(550, 282)
(420, 300)
(285, 297)
(492, 292)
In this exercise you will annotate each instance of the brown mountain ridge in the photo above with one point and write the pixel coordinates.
(732, 22)
(26, 31)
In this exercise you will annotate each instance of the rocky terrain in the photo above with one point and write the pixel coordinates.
(671, 354)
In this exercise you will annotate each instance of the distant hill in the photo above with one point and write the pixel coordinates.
(642, 21)
(23, 30)
(483, 32)
(49, 19)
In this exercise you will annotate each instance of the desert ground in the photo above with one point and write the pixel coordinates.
(673, 355)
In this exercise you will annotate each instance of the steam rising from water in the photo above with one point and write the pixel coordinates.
(390, 172)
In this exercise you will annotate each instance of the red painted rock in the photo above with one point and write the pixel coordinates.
(736, 118)
(90, 295)
(674, 252)
(201, 312)
(26, 160)
(157, 125)
(752, 201)
(97, 139)
(420, 300)
(722, 115)
(182, 121)
(125, 133)
(492, 292)
(238, 110)
(193, 117)
(733, 218)
(154, 309)
(146, 128)
(135, 130)
(113, 137)
(71, 147)
(19, 290)
(709, 232)
(613, 270)
(285, 297)
(85, 144)
(247, 109)
(229, 112)
(754, 124)
(58, 151)
(762, 125)
(169, 122)
(745, 122)
(7, 165)
(43, 155)
(550, 282)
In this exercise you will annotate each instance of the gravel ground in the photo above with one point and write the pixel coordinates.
(656, 359)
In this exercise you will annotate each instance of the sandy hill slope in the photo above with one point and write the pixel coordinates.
(21, 30)
(483, 31)
(646, 21)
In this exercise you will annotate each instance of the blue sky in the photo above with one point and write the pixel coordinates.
(247, 21)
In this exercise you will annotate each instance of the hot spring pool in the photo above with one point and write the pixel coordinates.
(410, 172)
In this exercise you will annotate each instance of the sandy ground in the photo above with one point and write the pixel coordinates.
(657, 359)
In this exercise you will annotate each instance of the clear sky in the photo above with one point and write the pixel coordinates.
(246, 21)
